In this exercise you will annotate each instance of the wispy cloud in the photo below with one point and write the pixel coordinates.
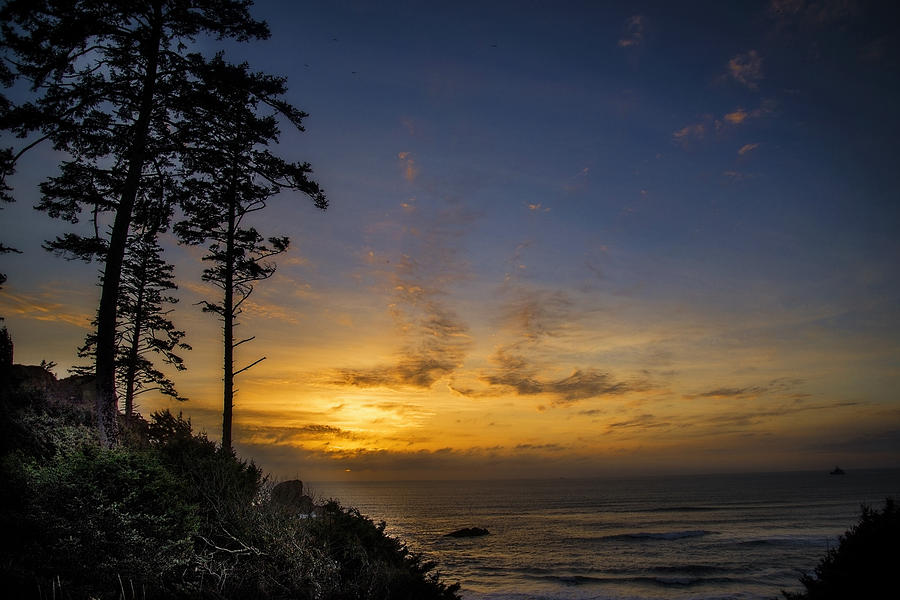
(747, 148)
(42, 308)
(293, 435)
(633, 33)
(438, 344)
(776, 386)
(410, 171)
(516, 375)
(696, 132)
(536, 314)
(270, 310)
(434, 340)
(737, 116)
(644, 421)
(689, 133)
(530, 319)
(754, 417)
(747, 69)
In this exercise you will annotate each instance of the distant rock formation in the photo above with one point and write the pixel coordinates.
(289, 495)
(36, 382)
(468, 532)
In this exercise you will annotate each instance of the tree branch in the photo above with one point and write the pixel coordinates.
(253, 364)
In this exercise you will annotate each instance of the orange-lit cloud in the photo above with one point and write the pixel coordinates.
(633, 34)
(520, 368)
(431, 340)
(737, 116)
(776, 386)
(42, 308)
(747, 148)
(746, 69)
(270, 310)
(689, 133)
(410, 171)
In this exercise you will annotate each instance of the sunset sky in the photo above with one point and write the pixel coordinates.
(564, 239)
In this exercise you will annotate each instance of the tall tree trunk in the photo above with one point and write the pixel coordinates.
(107, 405)
(228, 315)
(131, 373)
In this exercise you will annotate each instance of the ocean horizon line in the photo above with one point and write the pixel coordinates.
(617, 477)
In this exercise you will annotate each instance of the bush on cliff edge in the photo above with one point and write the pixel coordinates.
(864, 563)
(170, 515)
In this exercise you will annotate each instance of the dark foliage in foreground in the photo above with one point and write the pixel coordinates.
(864, 563)
(170, 515)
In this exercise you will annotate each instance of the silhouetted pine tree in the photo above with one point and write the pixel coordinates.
(144, 329)
(233, 174)
(106, 78)
(7, 156)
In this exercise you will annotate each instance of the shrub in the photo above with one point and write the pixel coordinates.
(173, 515)
(94, 516)
(863, 564)
(374, 565)
(216, 480)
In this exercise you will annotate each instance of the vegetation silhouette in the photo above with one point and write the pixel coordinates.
(145, 329)
(232, 121)
(863, 565)
(108, 83)
(169, 514)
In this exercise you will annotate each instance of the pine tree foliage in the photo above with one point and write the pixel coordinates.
(232, 175)
(144, 333)
(106, 81)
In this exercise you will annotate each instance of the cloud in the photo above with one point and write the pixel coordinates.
(537, 207)
(746, 69)
(519, 377)
(737, 116)
(698, 131)
(537, 313)
(689, 133)
(270, 311)
(434, 340)
(645, 421)
(577, 182)
(410, 171)
(520, 367)
(411, 463)
(754, 417)
(746, 148)
(734, 176)
(41, 308)
(776, 386)
(633, 33)
(439, 342)
(292, 435)
(409, 124)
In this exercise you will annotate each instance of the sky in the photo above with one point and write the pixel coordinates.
(565, 239)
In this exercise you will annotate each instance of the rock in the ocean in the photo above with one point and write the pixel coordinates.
(468, 532)
(288, 492)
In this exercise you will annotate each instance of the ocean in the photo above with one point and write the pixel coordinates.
(745, 536)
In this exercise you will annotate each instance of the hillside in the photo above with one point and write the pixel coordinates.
(169, 514)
